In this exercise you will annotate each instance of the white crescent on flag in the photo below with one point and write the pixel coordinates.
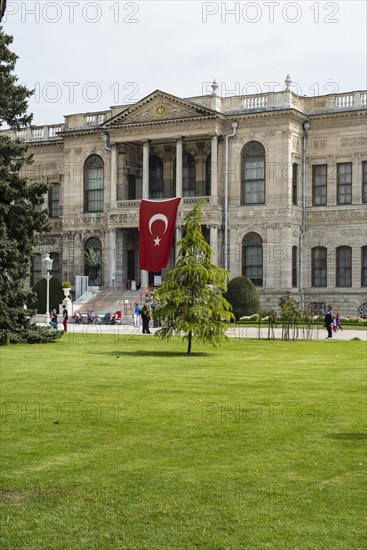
(157, 217)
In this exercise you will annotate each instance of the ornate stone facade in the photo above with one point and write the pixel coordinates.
(292, 207)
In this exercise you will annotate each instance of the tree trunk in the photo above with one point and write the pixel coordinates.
(189, 343)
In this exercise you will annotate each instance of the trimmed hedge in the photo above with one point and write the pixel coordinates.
(40, 290)
(243, 297)
(30, 335)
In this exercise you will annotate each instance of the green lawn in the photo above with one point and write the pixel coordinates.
(131, 444)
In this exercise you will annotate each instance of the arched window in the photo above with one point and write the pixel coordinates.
(93, 184)
(252, 258)
(188, 175)
(364, 266)
(93, 261)
(344, 266)
(55, 257)
(36, 270)
(155, 177)
(319, 266)
(253, 174)
(208, 175)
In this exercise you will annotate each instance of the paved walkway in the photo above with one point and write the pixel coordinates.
(235, 332)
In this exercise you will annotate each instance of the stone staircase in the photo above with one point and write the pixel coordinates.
(108, 299)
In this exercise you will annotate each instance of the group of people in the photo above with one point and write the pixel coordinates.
(53, 318)
(146, 312)
(332, 322)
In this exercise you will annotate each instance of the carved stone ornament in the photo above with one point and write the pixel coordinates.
(318, 144)
(159, 110)
(353, 141)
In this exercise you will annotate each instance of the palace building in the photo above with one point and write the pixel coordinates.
(283, 177)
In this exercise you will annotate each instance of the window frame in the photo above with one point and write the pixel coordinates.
(364, 266)
(54, 203)
(295, 176)
(319, 272)
(344, 188)
(343, 272)
(316, 186)
(96, 191)
(259, 165)
(254, 243)
(156, 177)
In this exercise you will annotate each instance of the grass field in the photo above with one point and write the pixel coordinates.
(131, 444)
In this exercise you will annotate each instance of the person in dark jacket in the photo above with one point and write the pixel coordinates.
(328, 321)
(145, 315)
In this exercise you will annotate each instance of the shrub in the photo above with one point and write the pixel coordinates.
(30, 335)
(243, 297)
(40, 291)
(66, 284)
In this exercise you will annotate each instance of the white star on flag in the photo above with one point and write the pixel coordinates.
(157, 240)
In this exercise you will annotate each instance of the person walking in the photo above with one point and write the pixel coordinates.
(328, 321)
(145, 315)
(337, 321)
(53, 316)
(65, 317)
(136, 314)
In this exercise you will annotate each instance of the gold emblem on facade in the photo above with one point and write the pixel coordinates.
(160, 110)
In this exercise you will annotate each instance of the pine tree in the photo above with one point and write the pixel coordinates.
(190, 297)
(20, 220)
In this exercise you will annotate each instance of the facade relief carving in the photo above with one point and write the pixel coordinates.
(353, 141)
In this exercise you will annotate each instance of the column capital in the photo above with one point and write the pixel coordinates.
(179, 138)
(145, 142)
(214, 135)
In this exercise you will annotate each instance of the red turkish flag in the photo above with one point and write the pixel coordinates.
(157, 227)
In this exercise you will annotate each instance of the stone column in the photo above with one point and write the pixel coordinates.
(179, 166)
(145, 274)
(110, 242)
(146, 169)
(214, 170)
(113, 175)
(214, 244)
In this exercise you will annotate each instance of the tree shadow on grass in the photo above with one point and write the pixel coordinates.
(152, 353)
(352, 435)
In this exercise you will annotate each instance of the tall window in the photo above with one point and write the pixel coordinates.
(252, 258)
(36, 269)
(319, 266)
(344, 266)
(188, 175)
(253, 174)
(208, 175)
(364, 181)
(364, 266)
(131, 187)
(295, 184)
(54, 201)
(319, 185)
(344, 183)
(93, 184)
(155, 177)
(294, 266)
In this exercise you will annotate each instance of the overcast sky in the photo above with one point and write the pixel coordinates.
(85, 56)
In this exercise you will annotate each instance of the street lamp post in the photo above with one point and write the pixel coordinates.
(48, 261)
